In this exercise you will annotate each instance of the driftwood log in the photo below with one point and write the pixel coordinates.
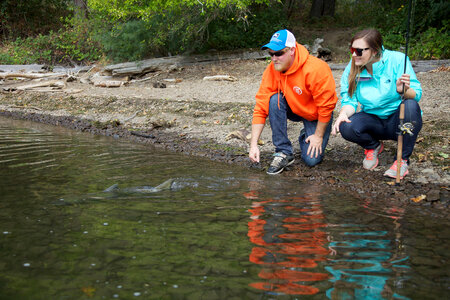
(54, 84)
(219, 78)
(31, 75)
(174, 62)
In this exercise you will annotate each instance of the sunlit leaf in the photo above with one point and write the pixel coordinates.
(419, 198)
(444, 155)
(89, 291)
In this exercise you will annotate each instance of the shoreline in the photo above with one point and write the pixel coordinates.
(365, 185)
(211, 119)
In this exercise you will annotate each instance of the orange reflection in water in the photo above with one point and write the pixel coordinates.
(289, 239)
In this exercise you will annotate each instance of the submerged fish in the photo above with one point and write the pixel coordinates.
(114, 191)
(166, 185)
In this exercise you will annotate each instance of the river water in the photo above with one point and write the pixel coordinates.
(218, 232)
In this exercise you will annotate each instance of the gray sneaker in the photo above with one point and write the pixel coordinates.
(392, 171)
(370, 161)
(279, 162)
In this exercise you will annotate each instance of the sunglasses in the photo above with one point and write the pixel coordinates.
(278, 53)
(358, 51)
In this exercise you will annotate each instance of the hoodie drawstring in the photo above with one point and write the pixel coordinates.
(279, 90)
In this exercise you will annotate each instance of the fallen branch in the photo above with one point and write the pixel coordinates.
(110, 83)
(58, 84)
(25, 107)
(144, 79)
(220, 78)
(30, 75)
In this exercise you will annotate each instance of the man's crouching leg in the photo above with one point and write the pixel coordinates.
(309, 129)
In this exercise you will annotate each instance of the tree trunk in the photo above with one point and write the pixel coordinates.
(80, 9)
(320, 8)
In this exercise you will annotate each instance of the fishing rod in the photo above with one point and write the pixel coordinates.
(403, 127)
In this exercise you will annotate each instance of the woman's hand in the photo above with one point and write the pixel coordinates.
(341, 118)
(404, 79)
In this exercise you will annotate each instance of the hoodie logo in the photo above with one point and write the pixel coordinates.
(297, 90)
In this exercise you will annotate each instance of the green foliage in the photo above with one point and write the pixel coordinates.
(429, 24)
(68, 45)
(129, 30)
(189, 28)
(30, 17)
(432, 44)
(127, 42)
(127, 9)
(246, 31)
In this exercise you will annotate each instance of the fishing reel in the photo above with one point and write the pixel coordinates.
(407, 127)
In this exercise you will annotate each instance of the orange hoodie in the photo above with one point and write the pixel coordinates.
(308, 86)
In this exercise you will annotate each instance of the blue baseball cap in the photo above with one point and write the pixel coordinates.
(280, 40)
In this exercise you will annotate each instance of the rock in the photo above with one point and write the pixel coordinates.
(422, 180)
(160, 85)
(433, 195)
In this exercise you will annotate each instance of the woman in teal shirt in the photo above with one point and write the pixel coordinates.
(373, 80)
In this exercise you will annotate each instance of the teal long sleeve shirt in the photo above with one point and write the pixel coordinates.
(377, 93)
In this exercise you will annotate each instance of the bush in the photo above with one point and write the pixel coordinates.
(246, 31)
(432, 44)
(71, 44)
(127, 42)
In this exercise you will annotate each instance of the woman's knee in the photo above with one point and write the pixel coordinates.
(347, 130)
(412, 107)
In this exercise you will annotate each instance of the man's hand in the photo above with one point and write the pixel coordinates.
(254, 154)
(254, 150)
(315, 145)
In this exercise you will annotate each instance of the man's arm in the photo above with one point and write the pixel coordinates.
(315, 140)
(254, 150)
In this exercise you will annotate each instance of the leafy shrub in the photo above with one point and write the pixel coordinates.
(249, 30)
(126, 42)
(432, 44)
(71, 44)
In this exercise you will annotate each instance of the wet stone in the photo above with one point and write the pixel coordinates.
(433, 195)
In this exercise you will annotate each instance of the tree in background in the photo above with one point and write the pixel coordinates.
(31, 17)
(62, 31)
(322, 8)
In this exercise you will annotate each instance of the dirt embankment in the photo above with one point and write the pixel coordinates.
(212, 118)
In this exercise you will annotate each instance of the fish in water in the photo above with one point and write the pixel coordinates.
(166, 185)
(114, 191)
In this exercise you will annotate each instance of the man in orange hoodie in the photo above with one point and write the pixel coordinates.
(299, 87)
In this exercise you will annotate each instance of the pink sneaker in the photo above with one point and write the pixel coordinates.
(370, 162)
(392, 171)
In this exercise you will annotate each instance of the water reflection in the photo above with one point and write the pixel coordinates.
(220, 232)
(302, 251)
(290, 243)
